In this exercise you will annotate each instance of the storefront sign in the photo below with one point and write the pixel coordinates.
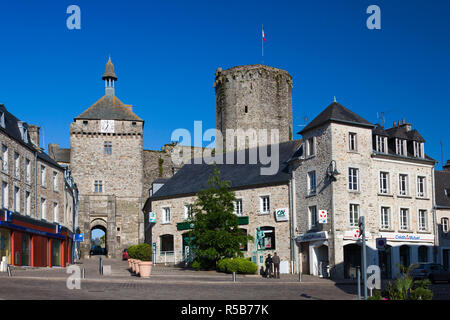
(79, 237)
(58, 228)
(152, 217)
(354, 235)
(282, 214)
(408, 237)
(323, 216)
(314, 236)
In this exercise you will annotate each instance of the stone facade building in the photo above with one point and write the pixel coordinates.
(259, 198)
(351, 168)
(442, 208)
(38, 212)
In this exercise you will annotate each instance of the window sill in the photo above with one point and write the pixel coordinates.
(422, 198)
(353, 151)
(264, 213)
(310, 157)
(310, 195)
(386, 195)
(424, 232)
(406, 231)
(163, 223)
(354, 191)
(386, 230)
(404, 197)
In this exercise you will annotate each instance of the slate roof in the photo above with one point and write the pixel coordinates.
(62, 155)
(192, 178)
(109, 108)
(109, 71)
(379, 130)
(336, 112)
(442, 182)
(12, 130)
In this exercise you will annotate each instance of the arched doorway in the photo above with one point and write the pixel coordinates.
(99, 237)
(385, 262)
(352, 260)
(405, 256)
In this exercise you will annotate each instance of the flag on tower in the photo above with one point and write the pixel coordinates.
(263, 35)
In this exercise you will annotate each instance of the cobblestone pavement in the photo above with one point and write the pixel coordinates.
(171, 283)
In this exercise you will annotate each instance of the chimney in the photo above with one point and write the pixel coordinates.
(446, 167)
(52, 149)
(404, 124)
(33, 131)
(395, 124)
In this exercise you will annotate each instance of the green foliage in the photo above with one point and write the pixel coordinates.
(238, 265)
(160, 166)
(141, 252)
(216, 233)
(421, 293)
(376, 295)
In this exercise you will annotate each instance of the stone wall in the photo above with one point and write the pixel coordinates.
(254, 97)
(251, 208)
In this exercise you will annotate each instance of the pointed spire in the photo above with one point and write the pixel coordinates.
(334, 99)
(109, 71)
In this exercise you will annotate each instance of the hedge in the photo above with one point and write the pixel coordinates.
(238, 265)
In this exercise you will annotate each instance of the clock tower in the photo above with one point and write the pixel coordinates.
(106, 160)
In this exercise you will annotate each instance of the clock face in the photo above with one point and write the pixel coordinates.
(107, 126)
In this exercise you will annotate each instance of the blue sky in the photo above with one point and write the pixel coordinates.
(166, 54)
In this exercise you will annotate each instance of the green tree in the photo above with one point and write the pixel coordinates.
(102, 240)
(216, 233)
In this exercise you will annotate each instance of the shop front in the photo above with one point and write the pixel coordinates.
(314, 253)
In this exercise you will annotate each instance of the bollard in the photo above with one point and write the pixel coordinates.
(299, 277)
(83, 273)
(9, 271)
(234, 276)
(100, 266)
(358, 275)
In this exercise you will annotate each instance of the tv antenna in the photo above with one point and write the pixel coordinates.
(382, 116)
(305, 119)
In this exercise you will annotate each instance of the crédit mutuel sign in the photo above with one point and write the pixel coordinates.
(407, 237)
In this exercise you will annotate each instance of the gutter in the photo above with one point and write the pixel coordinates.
(35, 185)
(436, 239)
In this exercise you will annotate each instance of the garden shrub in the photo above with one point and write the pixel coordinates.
(238, 265)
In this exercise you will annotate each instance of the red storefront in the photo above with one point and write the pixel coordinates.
(35, 243)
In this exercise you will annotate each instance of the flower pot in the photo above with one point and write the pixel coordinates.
(136, 266)
(145, 268)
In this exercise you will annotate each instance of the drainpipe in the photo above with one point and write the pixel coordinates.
(436, 239)
(292, 222)
(35, 185)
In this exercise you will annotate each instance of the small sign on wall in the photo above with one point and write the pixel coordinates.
(152, 217)
(282, 214)
(323, 216)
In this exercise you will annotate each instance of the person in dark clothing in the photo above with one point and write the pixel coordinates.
(276, 265)
(269, 266)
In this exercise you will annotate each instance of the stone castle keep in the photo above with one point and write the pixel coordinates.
(113, 171)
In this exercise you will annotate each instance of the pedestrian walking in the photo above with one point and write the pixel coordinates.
(276, 265)
(269, 266)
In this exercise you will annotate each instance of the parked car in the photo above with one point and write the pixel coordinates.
(125, 255)
(427, 270)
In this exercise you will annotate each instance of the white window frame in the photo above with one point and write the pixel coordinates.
(422, 221)
(55, 212)
(445, 224)
(352, 141)
(421, 193)
(385, 222)
(43, 209)
(387, 179)
(16, 165)
(165, 215)
(408, 219)
(400, 147)
(238, 207)
(312, 216)
(312, 182)
(311, 147)
(263, 205)
(43, 175)
(55, 181)
(418, 149)
(400, 191)
(27, 170)
(351, 182)
(381, 144)
(16, 199)
(353, 216)
(187, 211)
(5, 195)
(27, 202)
(4, 157)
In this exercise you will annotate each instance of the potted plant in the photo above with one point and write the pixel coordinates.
(144, 254)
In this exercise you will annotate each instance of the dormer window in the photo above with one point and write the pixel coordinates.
(2, 119)
(400, 147)
(418, 149)
(381, 144)
(23, 128)
(310, 148)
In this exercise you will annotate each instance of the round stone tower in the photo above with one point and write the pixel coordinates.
(254, 97)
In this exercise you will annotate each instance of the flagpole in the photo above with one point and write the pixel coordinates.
(262, 44)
